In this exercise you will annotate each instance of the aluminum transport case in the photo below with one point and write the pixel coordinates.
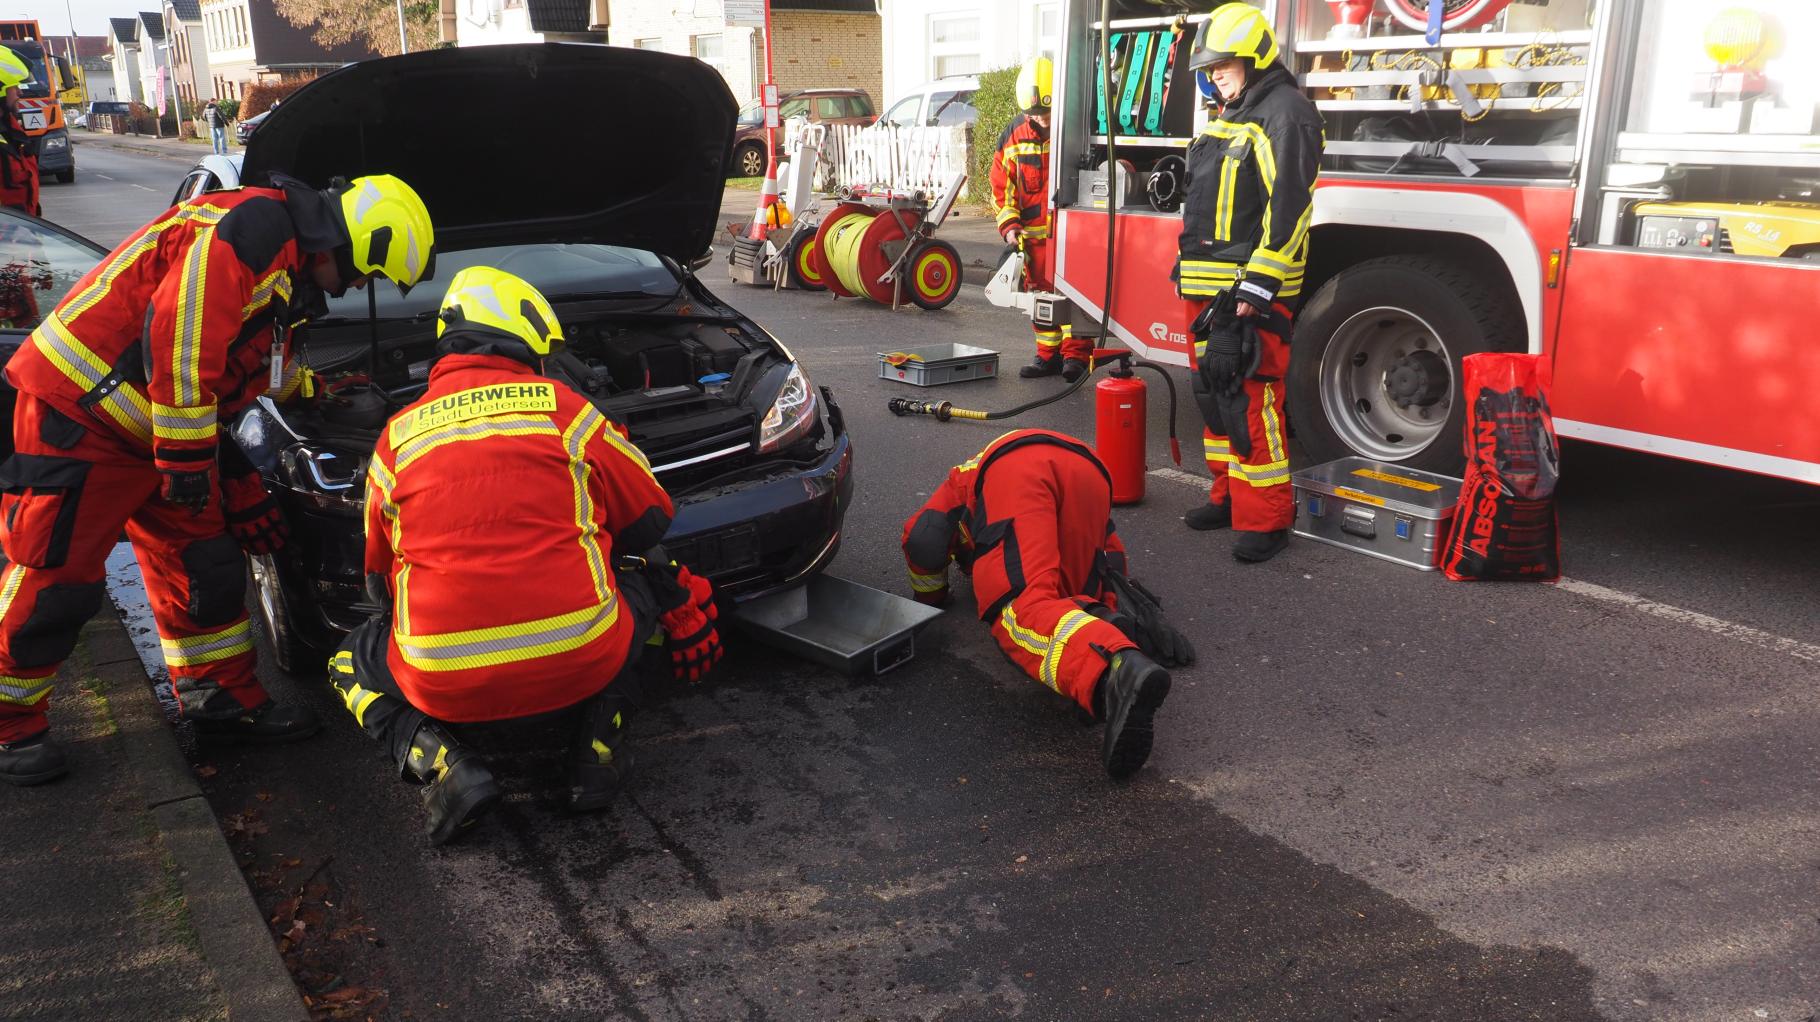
(1386, 511)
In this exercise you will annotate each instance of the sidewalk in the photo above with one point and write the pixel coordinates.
(122, 898)
(191, 150)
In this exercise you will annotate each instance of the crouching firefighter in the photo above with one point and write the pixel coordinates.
(1244, 247)
(511, 542)
(120, 392)
(1020, 198)
(1030, 518)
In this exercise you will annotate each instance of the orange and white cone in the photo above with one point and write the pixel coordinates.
(767, 198)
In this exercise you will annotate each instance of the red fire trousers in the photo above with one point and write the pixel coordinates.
(70, 488)
(1255, 482)
(1059, 508)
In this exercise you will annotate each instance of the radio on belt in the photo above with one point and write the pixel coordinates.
(1385, 511)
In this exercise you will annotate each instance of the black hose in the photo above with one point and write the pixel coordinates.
(1112, 173)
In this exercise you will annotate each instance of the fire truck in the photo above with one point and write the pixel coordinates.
(40, 110)
(1625, 186)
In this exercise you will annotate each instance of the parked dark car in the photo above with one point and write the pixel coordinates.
(759, 464)
(244, 129)
(820, 106)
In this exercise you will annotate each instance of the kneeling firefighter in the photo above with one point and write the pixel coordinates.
(511, 536)
(121, 388)
(1244, 248)
(1020, 199)
(1030, 518)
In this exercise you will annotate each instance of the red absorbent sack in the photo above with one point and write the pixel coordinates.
(1504, 527)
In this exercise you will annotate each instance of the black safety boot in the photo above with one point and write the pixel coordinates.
(1040, 366)
(1209, 516)
(601, 761)
(1257, 547)
(1072, 368)
(459, 787)
(33, 760)
(1128, 696)
(270, 723)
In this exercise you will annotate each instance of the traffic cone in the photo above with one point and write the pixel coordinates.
(766, 199)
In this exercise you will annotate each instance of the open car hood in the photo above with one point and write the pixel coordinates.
(551, 142)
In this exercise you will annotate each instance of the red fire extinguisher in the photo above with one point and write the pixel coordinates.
(1119, 408)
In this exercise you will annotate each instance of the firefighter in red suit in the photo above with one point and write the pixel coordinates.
(1243, 256)
(1020, 198)
(1030, 518)
(121, 390)
(18, 150)
(511, 536)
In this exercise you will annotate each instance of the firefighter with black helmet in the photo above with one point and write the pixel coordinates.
(1243, 252)
(1020, 199)
(511, 540)
(122, 390)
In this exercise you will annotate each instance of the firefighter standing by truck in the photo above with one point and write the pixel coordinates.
(121, 389)
(1030, 518)
(1020, 199)
(18, 150)
(1244, 250)
(511, 536)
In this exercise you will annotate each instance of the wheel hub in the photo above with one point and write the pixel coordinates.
(1418, 378)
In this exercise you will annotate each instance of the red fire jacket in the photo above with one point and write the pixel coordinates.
(176, 326)
(494, 507)
(1020, 179)
(954, 525)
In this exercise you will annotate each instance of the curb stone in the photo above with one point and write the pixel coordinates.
(236, 944)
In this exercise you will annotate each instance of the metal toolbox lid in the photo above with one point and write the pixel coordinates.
(1407, 491)
(938, 354)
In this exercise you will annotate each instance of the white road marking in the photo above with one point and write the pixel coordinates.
(1642, 605)
(142, 188)
(1704, 622)
(104, 177)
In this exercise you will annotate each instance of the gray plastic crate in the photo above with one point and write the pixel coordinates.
(937, 364)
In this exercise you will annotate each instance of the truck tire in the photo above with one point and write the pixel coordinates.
(1374, 366)
(66, 176)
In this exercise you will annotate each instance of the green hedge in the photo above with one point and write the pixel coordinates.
(997, 103)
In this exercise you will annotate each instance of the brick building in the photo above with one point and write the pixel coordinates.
(819, 43)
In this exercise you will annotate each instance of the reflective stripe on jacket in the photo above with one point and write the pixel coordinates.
(494, 507)
(172, 331)
(1020, 178)
(1250, 187)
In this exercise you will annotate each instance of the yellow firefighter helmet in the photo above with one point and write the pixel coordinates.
(483, 298)
(1036, 85)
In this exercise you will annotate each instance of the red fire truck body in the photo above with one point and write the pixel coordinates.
(1538, 183)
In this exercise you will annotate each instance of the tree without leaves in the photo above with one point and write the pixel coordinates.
(368, 22)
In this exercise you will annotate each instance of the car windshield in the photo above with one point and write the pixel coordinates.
(751, 114)
(559, 271)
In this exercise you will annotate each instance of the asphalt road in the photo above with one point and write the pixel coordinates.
(1378, 795)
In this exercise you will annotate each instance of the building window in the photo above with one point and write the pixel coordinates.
(954, 45)
(1048, 30)
(710, 50)
(651, 43)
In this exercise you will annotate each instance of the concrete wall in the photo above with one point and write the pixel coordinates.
(1006, 35)
(815, 50)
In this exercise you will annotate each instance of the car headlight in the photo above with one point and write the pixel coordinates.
(57, 142)
(792, 415)
(324, 478)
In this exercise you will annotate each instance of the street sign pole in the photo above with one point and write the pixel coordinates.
(770, 98)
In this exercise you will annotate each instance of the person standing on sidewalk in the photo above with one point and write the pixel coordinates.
(120, 390)
(211, 115)
(1244, 249)
(1020, 199)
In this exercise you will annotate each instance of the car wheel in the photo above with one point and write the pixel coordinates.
(1374, 369)
(291, 652)
(749, 160)
(935, 275)
(66, 176)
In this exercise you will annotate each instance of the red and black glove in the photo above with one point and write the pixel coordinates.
(188, 476)
(688, 623)
(253, 518)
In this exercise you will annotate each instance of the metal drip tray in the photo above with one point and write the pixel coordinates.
(841, 624)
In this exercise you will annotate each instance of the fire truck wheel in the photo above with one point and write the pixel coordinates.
(1374, 369)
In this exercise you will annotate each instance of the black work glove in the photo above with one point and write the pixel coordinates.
(1154, 634)
(253, 518)
(1222, 359)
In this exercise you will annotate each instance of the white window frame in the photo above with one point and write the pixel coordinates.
(654, 42)
(1046, 45)
(939, 51)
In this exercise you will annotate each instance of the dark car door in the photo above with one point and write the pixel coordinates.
(39, 263)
